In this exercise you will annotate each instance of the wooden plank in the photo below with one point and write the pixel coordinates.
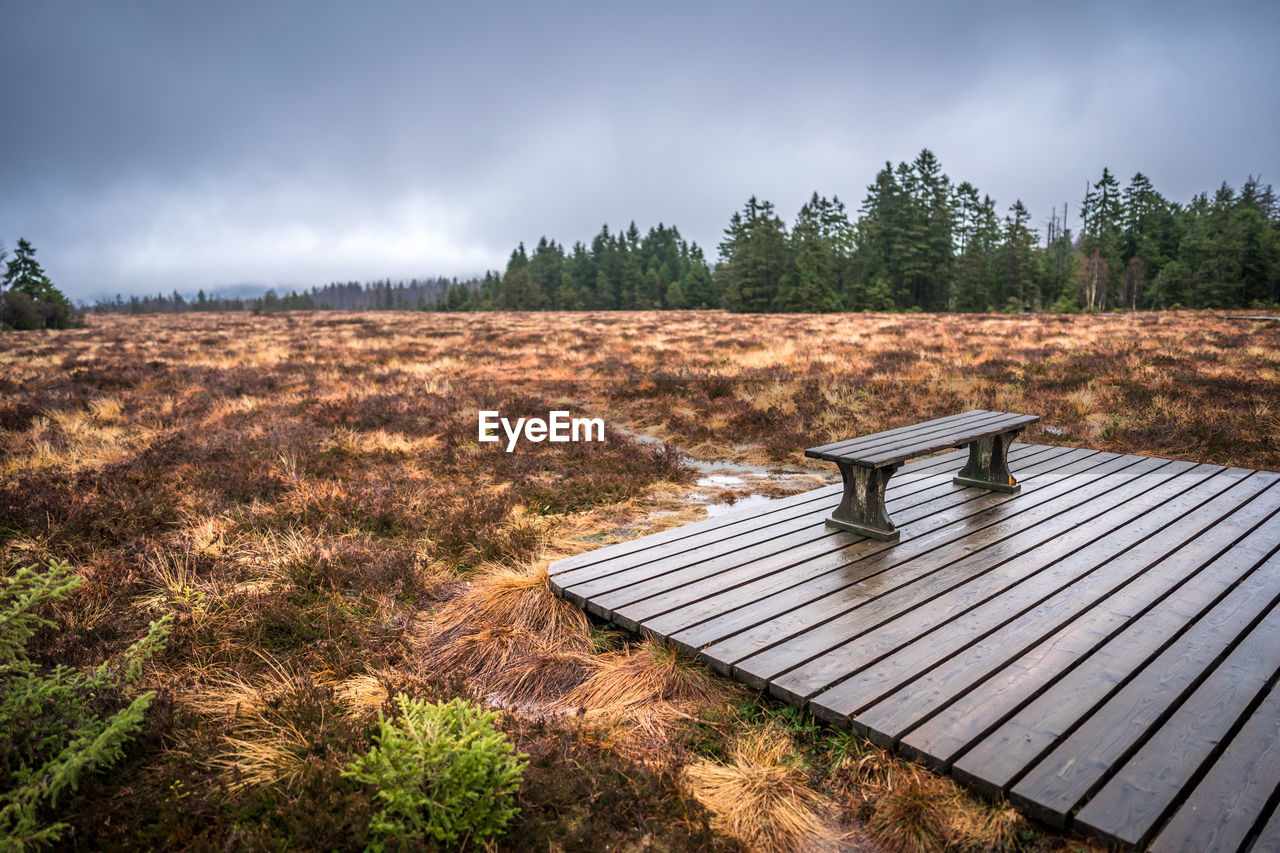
(637, 551)
(732, 519)
(883, 625)
(647, 600)
(780, 587)
(726, 638)
(863, 445)
(978, 689)
(903, 431)
(1268, 840)
(891, 695)
(1037, 721)
(1228, 802)
(929, 669)
(1131, 803)
(1084, 754)
(789, 531)
(628, 605)
(880, 448)
(822, 500)
(924, 445)
(805, 662)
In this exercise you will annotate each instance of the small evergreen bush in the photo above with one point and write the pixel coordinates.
(443, 774)
(59, 724)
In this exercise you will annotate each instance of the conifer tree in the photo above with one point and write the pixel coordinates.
(755, 258)
(820, 245)
(1101, 215)
(24, 275)
(1018, 289)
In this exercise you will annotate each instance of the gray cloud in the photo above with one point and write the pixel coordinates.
(157, 146)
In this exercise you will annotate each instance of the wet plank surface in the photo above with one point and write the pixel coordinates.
(1102, 649)
(896, 445)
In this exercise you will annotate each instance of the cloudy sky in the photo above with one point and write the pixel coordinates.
(153, 146)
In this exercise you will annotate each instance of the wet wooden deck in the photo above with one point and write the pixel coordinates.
(1102, 649)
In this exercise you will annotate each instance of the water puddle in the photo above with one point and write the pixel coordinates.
(724, 508)
(721, 481)
(724, 486)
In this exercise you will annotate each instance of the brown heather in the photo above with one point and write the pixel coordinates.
(306, 495)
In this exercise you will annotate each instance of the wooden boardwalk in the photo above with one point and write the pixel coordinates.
(1102, 649)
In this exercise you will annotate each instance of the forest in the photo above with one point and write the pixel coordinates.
(918, 241)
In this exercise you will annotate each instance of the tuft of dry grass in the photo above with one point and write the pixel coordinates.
(647, 686)
(912, 818)
(107, 410)
(361, 695)
(505, 665)
(232, 695)
(762, 798)
(1081, 402)
(518, 600)
(914, 811)
(264, 752)
(980, 826)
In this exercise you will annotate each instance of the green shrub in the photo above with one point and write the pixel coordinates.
(56, 725)
(443, 773)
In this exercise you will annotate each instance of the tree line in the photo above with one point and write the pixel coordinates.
(918, 241)
(922, 242)
(380, 295)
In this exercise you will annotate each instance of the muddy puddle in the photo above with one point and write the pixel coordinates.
(723, 486)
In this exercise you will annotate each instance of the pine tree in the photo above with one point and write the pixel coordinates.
(755, 258)
(881, 234)
(1101, 214)
(1018, 288)
(1259, 244)
(820, 245)
(546, 272)
(517, 289)
(1219, 271)
(1149, 235)
(697, 283)
(976, 270)
(935, 223)
(24, 275)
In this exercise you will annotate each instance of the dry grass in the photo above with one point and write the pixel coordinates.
(762, 798)
(265, 752)
(913, 811)
(929, 814)
(911, 818)
(502, 664)
(647, 685)
(361, 695)
(518, 600)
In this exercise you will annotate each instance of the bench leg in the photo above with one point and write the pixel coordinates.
(862, 509)
(988, 466)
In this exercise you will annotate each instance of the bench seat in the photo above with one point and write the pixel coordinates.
(866, 463)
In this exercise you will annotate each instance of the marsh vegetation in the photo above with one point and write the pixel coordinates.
(303, 499)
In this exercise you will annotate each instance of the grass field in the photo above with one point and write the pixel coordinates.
(305, 495)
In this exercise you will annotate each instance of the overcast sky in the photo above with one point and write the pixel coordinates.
(153, 146)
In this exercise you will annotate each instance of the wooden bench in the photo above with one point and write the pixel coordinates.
(867, 463)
